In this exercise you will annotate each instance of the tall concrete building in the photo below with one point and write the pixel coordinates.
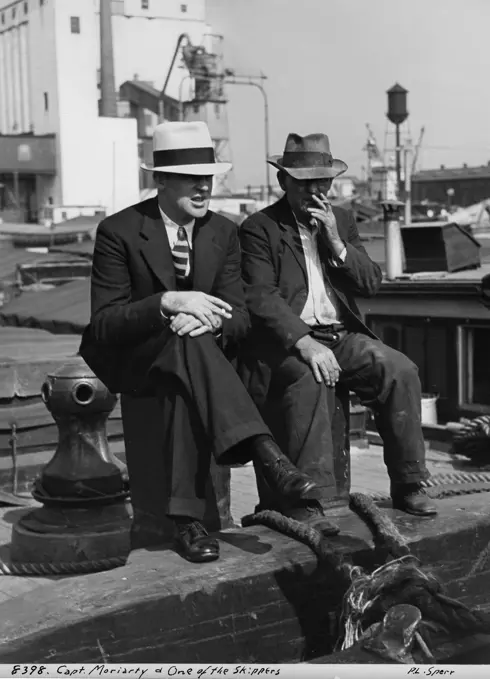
(59, 157)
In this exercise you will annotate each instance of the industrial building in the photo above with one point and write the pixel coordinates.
(68, 143)
(461, 186)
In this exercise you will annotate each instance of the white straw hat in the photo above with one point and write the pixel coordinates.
(184, 148)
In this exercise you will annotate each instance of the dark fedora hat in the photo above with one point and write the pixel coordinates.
(308, 158)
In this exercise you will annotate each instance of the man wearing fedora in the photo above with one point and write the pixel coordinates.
(303, 265)
(167, 312)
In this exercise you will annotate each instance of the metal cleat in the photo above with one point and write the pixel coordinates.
(393, 639)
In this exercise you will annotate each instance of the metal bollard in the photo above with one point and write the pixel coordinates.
(84, 489)
(83, 467)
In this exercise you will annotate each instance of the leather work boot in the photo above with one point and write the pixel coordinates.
(193, 542)
(280, 473)
(311, 513)
(412, 499)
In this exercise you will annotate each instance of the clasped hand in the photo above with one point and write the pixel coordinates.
(194, 313)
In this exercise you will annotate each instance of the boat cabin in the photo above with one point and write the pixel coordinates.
(436, 314)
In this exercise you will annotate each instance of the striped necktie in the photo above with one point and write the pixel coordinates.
(180, 254)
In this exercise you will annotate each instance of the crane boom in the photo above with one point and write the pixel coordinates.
(417, 149)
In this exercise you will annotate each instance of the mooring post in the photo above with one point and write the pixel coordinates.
(84, 488)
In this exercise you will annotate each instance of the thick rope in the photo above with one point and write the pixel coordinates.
(308, 536)
(424, 591)
(62, 568)
(402, 580)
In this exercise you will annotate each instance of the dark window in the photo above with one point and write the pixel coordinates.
(183, 8)
(75, 24)
(13, 12)
(431, 345)
(46, 101)
(145, 4)
(26, 7)
(3, 18)
(476, 365)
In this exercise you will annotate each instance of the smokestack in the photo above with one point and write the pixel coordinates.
(108, 99)
(393, 239)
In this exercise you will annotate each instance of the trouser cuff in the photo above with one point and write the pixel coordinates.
(192, 507)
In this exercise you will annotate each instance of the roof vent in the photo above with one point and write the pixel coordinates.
(443, 167)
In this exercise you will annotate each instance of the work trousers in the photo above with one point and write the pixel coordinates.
(384, 379)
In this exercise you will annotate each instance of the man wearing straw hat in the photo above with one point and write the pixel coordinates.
(168, 310)
(303, 264)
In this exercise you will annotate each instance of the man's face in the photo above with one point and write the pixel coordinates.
(187, 195)
(300, 192)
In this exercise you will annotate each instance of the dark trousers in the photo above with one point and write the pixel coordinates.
(384, 379)
(205, 409)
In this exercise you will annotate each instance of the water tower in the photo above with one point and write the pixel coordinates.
(397, 114)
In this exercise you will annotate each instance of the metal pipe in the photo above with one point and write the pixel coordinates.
(108, 99)
(408, 185)
(181, 103)
(398, 162)
(253, 83)
(182, 36)
(393, 239)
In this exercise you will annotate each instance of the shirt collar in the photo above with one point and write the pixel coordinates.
(313, 230)
(169, 222)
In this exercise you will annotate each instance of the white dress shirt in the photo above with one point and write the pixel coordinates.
(172, 230)
(321, 306)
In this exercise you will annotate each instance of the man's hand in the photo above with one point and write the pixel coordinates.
(325, 216)
(207, 309)
(321, 360)
(185, 324)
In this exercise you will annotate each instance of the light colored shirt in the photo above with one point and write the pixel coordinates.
(321, 306)
(172, 230)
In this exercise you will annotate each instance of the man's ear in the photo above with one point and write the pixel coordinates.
(159, 179)
(280, 178)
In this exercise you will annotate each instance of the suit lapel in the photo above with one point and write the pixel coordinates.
(205, 252)
(290, 235)
(155, 247)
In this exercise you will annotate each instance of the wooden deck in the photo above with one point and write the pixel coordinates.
(368, 475)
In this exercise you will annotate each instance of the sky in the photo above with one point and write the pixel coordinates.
(329, 63)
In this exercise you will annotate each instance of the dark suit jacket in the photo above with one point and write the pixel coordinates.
(274, 272)
(133, 266)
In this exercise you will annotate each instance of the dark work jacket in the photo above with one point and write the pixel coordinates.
(133, 266)
(276, 282)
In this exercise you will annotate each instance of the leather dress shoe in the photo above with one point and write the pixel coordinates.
(194, 543)
(412, 499)
(280, 473)
(312, 514)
